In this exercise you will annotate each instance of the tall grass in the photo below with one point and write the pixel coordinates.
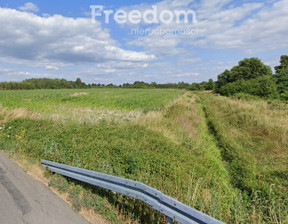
(253, 135)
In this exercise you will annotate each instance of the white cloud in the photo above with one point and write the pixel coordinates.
(171, 5)
(53, 68)
(57, 41)
(224, 26)
(262, 31)
(186, 75)
(247, 27)
(15, 74)
(29, 7)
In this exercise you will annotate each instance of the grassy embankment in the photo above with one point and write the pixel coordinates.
(253, 138)
(167, 147)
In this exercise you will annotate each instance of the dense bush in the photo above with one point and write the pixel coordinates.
(263, 87)
(281, 79)
(246, 69)
(210, 85)
(281, 76)
(253, 77)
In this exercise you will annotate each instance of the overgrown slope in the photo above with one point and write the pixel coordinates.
(193, 149)
(253, 137)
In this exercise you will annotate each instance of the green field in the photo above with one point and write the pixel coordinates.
(223, 156)
(47, 100)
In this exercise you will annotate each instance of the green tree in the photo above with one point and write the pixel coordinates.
(78, 83)
(281, 79)
(283, 64)
(223, 79)
(281, 76)
(196, 87)
(247, 69)
(210, 85)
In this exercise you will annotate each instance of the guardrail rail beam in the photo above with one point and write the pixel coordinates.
(173, 209)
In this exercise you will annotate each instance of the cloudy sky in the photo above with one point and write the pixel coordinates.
(59, 40)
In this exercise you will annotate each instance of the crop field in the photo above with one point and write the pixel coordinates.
(223, 156)
(47, 100)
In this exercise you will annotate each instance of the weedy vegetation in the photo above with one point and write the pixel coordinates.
(223, 156)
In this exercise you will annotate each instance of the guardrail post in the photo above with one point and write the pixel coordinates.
(170, 220)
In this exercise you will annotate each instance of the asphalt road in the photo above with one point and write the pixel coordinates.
(28, 201)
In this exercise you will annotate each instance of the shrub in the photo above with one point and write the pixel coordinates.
(247, 69)
(263, 87)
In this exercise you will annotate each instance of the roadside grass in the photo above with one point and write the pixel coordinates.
(253, 136)
(129, 151)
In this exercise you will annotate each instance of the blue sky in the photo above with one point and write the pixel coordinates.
(58, 40)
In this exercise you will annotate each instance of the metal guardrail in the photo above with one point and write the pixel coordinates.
(168, 206)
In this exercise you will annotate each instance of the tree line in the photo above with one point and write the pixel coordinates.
(251, 77)
(46, 83)
(42, 83)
